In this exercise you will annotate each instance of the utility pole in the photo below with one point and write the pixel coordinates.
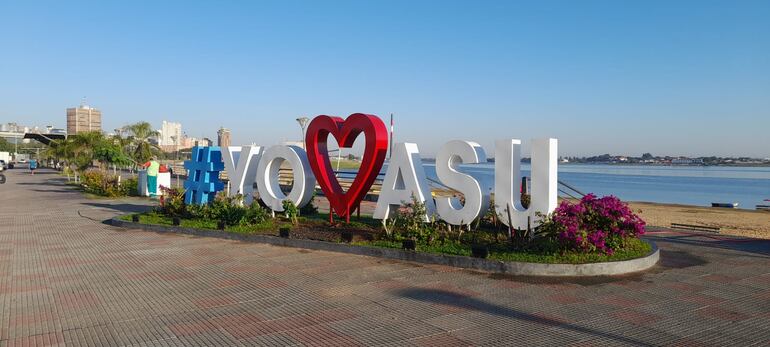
(390, 154)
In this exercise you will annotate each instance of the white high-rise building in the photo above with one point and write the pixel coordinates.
(170, 134)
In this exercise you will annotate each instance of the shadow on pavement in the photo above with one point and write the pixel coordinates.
(121, 207)
(759, 247)
(582, 281)
(65, 190)
(49, 181)
(679, 259)
(449, 298)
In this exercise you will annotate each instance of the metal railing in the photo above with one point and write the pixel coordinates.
(347, 176)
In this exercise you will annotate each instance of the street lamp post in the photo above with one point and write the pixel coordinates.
(303, 123)
(175, 145)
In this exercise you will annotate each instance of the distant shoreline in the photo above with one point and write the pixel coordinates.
(527, 161)
(675, 165)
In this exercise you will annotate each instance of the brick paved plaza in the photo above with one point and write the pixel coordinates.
(67, 278)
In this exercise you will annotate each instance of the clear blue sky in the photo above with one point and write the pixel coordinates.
(621, 77)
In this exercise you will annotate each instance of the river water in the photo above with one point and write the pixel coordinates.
(689, 185)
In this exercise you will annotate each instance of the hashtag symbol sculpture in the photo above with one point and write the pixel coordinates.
(203, 182)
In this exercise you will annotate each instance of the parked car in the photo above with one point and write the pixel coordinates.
(3, 164)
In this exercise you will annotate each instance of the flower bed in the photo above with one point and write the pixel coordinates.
(593, 230)
(594, 225)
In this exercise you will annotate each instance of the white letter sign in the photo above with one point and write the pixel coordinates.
(508, 181)
(241, 165)
(448, 160)
(404, 179)
(267, 177)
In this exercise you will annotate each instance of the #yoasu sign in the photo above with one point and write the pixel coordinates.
(405, 177)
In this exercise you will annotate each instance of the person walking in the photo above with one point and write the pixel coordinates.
(153, 167)
(32, 166)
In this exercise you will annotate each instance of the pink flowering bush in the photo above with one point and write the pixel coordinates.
(601, 225)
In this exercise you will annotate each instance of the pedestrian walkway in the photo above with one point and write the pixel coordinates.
(67, 278)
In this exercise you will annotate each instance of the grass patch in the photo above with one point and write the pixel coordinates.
(365, 222)
(268, 227)
(345, 164)
(635, 249)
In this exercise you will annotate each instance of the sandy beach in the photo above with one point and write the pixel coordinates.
(730, 221)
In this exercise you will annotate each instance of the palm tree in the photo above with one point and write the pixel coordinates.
(140, 141)
(78, 152)
(85, 146)
(62, 151)
(124, 144)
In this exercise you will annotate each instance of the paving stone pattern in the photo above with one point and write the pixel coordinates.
(66, 278)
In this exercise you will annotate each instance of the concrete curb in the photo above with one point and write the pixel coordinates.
(496, 266)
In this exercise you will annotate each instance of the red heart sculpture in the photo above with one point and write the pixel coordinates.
(346, 131)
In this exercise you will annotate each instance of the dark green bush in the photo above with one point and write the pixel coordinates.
(254, 214)
(227, 209)
(223, 208)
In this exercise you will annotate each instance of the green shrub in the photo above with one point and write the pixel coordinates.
(309, 209)
(223, 208)
(92, 182)
(100, 183)
(409, 223)
(128, 186)
(227, 208)
(173, 202)
(254, 214)
(291, 211)
(196, 211)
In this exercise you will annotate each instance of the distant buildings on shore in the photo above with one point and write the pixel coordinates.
(223, 137)
(170, 134)
(85, 118)
(649, 159)
(14, 132)
(170, 137)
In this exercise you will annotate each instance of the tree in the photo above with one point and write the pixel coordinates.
(84, 147)
(79, 152)
(65, 152)
(108, 153)
(140, 141)
(6, 146)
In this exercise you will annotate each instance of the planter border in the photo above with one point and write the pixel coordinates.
(496, 266)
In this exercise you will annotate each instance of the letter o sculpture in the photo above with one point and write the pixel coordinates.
(267, 177)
